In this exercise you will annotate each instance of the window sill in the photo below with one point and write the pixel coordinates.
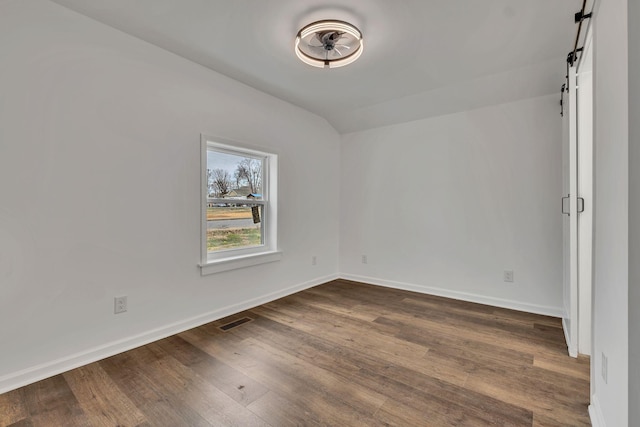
(218, 266)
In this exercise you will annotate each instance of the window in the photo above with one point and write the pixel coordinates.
(239, 223)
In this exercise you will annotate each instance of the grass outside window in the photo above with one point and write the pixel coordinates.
(227, 228)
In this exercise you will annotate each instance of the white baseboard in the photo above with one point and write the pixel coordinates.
(595, 413)
(571, 347)
(464, 296)
(32, 374)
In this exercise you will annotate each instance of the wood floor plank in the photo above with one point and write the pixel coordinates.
(51, 403)
(560, 421)
(151, 398)
(459, 345)
(441, 398)
(366, 399)
(529, 328)
(577, 368)
(328, 300)
(339, 354)
(232, 382)
(400, 415)
(408, 376)
(445, 405)
(548, 403)
(22, 423)
(299, 307)
(512, 332)
(315, 349)
(191, 390)
(360, 294)
(283, 412)
(473, 332)
(346, 332)
(101, 399)
(325, 355)
(322, 393)
(12, 407)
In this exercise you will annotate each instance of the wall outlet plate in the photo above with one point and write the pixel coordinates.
(508, 275)
(119, 305)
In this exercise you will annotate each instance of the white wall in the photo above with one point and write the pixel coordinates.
(611, 250)
(100, 186)
(445, 205)
(634, 213)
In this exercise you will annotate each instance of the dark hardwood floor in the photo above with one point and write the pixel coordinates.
(340, 354)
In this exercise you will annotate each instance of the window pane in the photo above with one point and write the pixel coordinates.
(234, 226)
(234, 180)
(234, 176)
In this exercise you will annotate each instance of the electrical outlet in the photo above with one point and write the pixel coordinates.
(364, 259)
(119, 305)
(605, 368)
(508, 275)
(314, 260)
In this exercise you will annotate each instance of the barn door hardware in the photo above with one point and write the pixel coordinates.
(581, 16)
(572, 57)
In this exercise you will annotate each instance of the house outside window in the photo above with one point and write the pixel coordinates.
(239, 206)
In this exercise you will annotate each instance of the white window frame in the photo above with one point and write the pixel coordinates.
(231, 259)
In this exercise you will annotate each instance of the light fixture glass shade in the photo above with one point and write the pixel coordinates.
(329, 44)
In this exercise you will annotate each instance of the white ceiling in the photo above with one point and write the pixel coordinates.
(421, 57)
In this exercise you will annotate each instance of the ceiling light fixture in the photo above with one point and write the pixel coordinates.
(329, 44)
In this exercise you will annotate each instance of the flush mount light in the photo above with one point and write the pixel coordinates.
(329, 44)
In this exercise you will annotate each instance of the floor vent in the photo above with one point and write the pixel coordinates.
(235, 323)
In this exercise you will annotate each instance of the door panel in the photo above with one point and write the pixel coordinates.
(585, 190)
(570, 220)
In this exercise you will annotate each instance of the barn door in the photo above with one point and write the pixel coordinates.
(570, 215)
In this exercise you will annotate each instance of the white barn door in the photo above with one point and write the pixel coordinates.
(570, 215)
(577, 204)
(585, 192)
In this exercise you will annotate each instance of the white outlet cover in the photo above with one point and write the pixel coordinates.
(119, 305)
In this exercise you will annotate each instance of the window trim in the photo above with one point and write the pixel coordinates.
(244, 257)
